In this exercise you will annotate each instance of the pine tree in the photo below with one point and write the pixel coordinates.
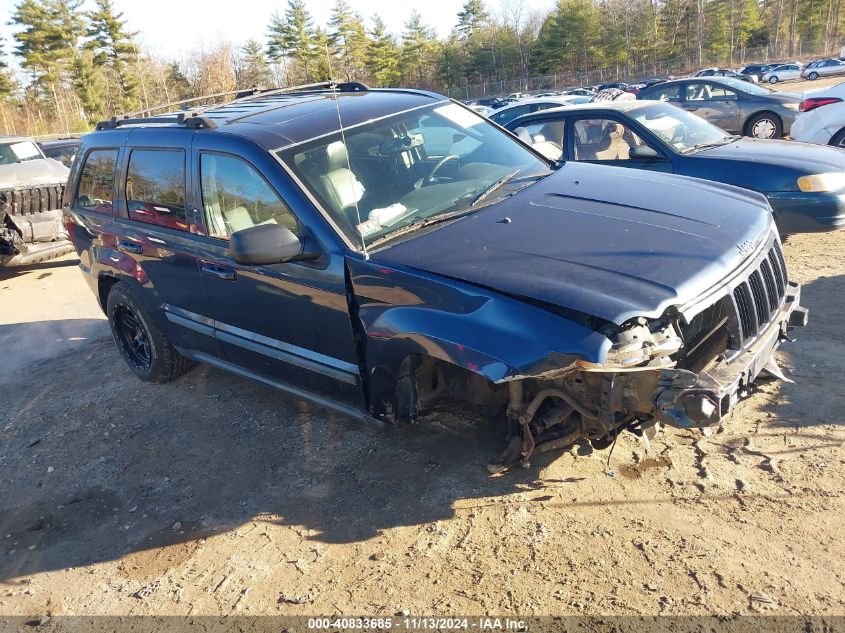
(348, 42)
(7, 82)
(418, 49)
(252, 69)
(113, 48)
(47, 40)
(472, 18)
(569, 37)
(291, 39)
(382, 55)
(47, 46)
(89, 83)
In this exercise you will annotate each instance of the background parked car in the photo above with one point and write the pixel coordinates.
(526, 106)
(755, 70)
(482, 110)
(31, 190)
(63, 150)
(583, 92)
(783, 72)
(489, 102)
(822, 97)
(724, 72)
(804, 184)
(735, 106)
(618, 85)
(821, 125)
(823, 68)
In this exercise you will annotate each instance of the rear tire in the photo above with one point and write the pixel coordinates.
(144, 347)
(764, 125)
(838, 139)
(813, 76)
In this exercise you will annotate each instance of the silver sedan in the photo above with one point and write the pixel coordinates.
(784, 72)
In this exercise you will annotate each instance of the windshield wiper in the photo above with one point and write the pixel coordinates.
(722, 141)
(418, 224)
(492, 187)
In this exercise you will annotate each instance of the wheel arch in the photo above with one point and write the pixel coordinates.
(746, 130)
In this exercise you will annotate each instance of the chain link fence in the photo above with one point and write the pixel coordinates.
(633, 73)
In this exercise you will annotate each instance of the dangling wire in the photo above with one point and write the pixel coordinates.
(346, 151)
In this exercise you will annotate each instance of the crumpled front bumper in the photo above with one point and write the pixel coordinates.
(687, 399)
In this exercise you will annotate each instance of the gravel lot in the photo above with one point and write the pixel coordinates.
(214, 495)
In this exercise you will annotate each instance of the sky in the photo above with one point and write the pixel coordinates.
(170, 28)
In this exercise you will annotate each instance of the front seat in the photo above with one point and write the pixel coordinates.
(341, 188)
(613, 146)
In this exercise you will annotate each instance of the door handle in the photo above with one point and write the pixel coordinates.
(220, 272)
(129, 247)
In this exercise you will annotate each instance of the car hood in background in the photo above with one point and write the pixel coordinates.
(810, 159)
(609, 242)
(44, 171)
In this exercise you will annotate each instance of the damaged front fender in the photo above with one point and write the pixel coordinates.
(403, 313)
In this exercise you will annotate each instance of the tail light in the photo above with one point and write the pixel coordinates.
(817, 102)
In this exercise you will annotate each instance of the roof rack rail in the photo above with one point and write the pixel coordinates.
(192, 116)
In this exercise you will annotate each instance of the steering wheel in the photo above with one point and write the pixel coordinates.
(430, 178)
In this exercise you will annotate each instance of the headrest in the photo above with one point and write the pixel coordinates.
(336, 156)
(523, 135)
(614, 130)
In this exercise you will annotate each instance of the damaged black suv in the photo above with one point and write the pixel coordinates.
(378, 250)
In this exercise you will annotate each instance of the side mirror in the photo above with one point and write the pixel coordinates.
(643, 152)
(267, 244)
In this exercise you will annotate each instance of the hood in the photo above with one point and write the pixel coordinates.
(609, 242)
(803, 157)
(44, 171)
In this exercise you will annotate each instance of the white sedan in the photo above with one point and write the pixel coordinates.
(505, 115)
(824, 125)
(784, 72)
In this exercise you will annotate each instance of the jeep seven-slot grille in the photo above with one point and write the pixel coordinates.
(758, 297)
(31, 200)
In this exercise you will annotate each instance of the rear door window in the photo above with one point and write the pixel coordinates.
(96, 182)
(669, 93)
(155, 188)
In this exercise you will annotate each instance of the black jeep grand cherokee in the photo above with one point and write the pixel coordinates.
(419, 251)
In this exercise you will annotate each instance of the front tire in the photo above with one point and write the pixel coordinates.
(144, 347)
(838, 139)
(813, 76)
(773, 80)
(764, 125)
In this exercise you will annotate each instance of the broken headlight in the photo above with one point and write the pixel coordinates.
(642, 342)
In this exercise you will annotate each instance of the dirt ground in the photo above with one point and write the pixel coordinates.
(215, 495)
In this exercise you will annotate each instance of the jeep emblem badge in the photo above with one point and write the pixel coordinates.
(745, 247)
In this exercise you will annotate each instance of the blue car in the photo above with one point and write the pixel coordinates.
(380, 251)
(805, 184)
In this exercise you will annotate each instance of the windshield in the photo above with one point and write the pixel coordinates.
(745, 86)
(18, 152)
(406, 168)
(678, 128)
